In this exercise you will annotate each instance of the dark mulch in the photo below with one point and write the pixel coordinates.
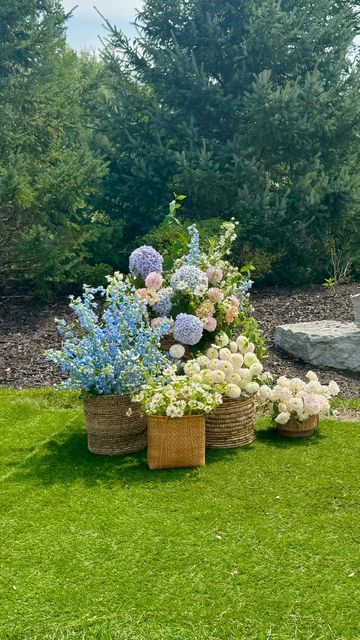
(27, 329)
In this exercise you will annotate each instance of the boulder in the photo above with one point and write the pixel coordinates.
(323, 344)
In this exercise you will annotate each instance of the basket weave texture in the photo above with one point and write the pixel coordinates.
(110, 431)
(295, 429)
(232, 424)
(176, 442)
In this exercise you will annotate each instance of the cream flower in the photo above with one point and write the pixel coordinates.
(177, 351)
(225, 354)
(252, 387)
(249, 359)
(311, 375)
(233, 347)
(218, 376)
(212, 353)
(233, 391)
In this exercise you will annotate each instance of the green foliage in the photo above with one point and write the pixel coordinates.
(47, 168)
(234, 104)
(241, 545)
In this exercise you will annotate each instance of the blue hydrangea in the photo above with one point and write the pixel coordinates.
(144, 260)
(164, 305)
(188, 329)
(188, 278)
(193, 256)
(112, 352)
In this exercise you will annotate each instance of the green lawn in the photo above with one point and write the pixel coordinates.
(262, 543)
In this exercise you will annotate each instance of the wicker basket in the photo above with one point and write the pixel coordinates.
(176, 442)
(232, 424)
(110, 431)
(295, 429)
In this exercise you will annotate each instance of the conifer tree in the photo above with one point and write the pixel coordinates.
(259, 119)
(48, 169)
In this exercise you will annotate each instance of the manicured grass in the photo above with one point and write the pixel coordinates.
(263, 543)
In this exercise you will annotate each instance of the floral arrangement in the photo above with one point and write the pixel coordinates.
(203, 294)
(297, 398)
(234, 365)
(113, 351)
(176, 396)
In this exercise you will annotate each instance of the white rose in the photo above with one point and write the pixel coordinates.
(177, 351)
(234, 378)
(212, 353)
(222, 340)
(233, 391)
(237, 361)
(249, 359)
(214, 364)
(226, 367)
(283, 417)
(225, 354)
(218, 376)
(282, 407)
(256, 369)
(252, 388)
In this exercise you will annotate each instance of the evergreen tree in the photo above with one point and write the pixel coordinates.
(259, 118)
(47, 168)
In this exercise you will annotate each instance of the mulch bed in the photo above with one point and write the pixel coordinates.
(27, 329)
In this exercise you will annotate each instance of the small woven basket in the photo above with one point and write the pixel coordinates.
(176, 442)
(295, 429)
(232, 424)
(110, 431)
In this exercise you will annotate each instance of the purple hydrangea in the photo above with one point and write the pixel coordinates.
(188, 278)
(188, 329)
(164, 305)
(144, 260)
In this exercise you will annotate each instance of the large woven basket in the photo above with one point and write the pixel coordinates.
(110, 431)
(176, 442)
(232, 424)
(295, 429)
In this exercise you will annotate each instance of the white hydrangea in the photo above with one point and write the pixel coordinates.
(283, 417)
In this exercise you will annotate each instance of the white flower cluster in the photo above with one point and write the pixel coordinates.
(176, 396)
(294, 397)
(233, 364)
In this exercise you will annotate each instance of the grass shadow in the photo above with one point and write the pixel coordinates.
(272, 438)
(66, 459)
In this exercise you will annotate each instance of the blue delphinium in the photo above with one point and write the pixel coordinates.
(193, 256)
(164, 305)
(111, 352)
(144, 260)
(188, 329)
(189, 278)
(246, 286)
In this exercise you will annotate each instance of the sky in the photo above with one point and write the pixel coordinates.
(85, 25)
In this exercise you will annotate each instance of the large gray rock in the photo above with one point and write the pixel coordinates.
(356, 306)
(323, 344)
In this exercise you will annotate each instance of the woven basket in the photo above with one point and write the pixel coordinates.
(232, 424)
(176, 442)
(295, 429)
(110, 431)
